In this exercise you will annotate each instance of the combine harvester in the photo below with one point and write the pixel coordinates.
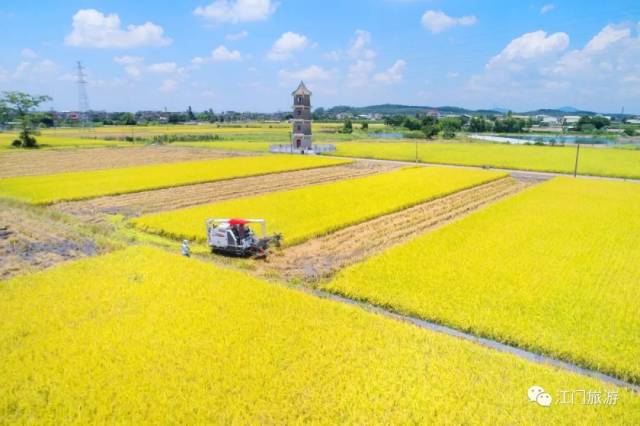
(234, 237)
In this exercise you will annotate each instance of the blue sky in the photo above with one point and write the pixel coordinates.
(249, 54)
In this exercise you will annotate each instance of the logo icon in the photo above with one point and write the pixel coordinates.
(538, 395)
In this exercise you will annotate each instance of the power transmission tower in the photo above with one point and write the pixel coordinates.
(83, 98)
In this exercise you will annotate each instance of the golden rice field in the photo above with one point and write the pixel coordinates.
(81, 185)
(303, 213)
(593, 161)
(554, 269)
(141, 336)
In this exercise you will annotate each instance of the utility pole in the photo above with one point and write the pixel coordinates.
(575, 168)
(416, 150)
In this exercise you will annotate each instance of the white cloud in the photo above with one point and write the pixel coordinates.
(128, 60)
(92, 28)
(163, 68)
(237, 36)
(393, 74)
(222, 54)
(547, 8)
(312, 73)
(288, 43)
(537, 69)
(437, 21)
(198, 61)
(27, 53)
(35, 71)
(334, 55)
(530, 46)
(168, 85)
(608, 36)
(358, 47)
(234, 11)
(359, 72)
(133, 70)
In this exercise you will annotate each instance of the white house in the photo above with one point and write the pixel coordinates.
(570, 119)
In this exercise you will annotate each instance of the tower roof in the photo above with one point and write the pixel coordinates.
(301, 90)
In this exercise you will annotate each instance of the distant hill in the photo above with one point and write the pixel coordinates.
(568, 109)
(393, 109)
(559, 112)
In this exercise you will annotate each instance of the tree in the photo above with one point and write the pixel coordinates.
(588, 124)
(364, 125)
(190, 115)
(23, 104)
(629, 131)
(429, 126)
(479, 125)
(449, 126)
(347, 127)
(128, 119)
(394, 121)
(411, 123)
(318, 114)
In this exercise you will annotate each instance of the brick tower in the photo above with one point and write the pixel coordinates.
(301, 131)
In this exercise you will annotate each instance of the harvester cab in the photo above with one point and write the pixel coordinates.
(235, 237)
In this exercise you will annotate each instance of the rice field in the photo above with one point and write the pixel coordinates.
(52, 142)
(143, 336)
(553, 269)
(47, 189)
(227, 145)
(303, 213)
(593, 161)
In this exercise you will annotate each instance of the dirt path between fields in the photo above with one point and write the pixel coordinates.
(186, 196)
(321, 257)
(30, 163)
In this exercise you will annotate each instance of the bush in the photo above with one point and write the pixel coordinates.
(448, 133)
(413, 135)
(26, 139)
(629, 131)
(16, 143)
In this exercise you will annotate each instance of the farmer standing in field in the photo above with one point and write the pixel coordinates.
(185, 248)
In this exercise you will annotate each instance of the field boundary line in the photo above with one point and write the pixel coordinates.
(521, 173)
(489, 343)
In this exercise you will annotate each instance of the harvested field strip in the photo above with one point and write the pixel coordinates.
(31, 163)
(31, 239)
(320, 257)
(113, 339)
(186, 196)
(82, 185)
(553, 269)
(316, 210)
